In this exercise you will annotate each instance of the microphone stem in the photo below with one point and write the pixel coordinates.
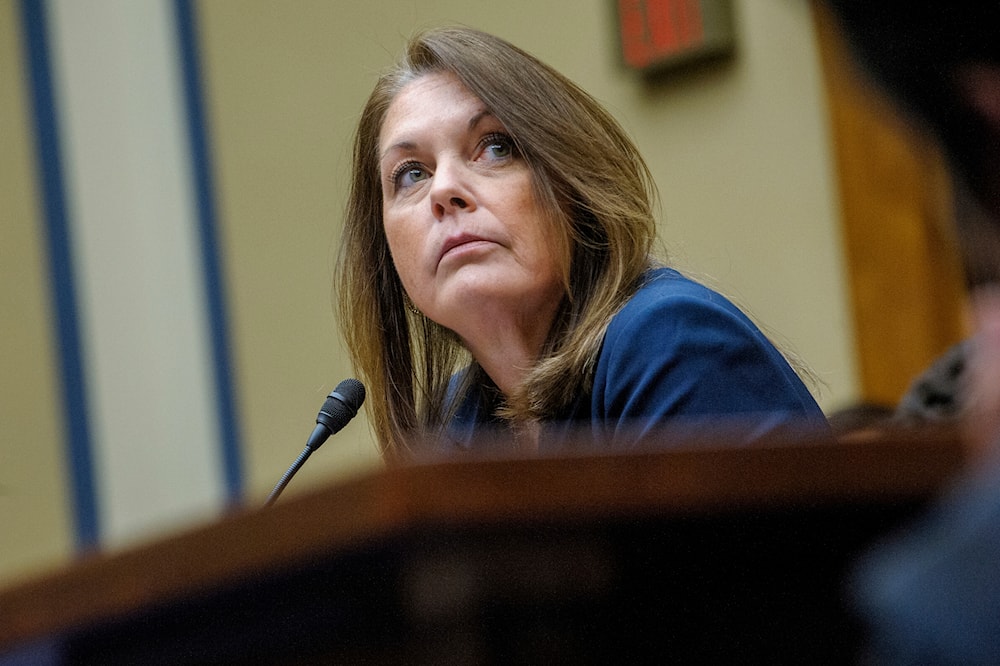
(306, 452)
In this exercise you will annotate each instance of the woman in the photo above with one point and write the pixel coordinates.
(496, 270)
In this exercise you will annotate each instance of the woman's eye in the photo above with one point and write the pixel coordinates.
(408, 174)
(498, 146)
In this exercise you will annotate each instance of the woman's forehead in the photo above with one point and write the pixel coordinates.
(435, 95)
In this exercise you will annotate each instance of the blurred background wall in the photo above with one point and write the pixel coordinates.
(168, 332)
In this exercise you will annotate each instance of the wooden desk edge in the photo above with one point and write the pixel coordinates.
(250, 543)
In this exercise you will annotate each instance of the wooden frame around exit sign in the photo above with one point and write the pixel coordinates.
(661, 34)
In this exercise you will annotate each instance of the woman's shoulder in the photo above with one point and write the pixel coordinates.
(669, 284)
(668, 297)
(680, 348)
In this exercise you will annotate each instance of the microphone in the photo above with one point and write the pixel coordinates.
(340, 407)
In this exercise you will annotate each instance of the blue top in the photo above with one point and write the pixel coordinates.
(676, 349)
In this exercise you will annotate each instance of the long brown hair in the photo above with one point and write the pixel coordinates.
(585, 170)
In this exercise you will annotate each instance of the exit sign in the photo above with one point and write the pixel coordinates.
(656, 34)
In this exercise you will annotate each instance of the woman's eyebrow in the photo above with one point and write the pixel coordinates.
(476, 119)
(407, 145)
(401, 145)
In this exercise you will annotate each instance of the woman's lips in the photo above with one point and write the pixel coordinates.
(458, 242)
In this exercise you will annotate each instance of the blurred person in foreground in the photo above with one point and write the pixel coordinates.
(497, 285)
(933, 595)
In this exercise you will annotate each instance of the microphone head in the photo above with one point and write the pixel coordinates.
(341, 405)
(351, 392)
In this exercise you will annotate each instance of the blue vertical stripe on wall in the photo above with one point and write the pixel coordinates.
(211, 262)
(73, 400)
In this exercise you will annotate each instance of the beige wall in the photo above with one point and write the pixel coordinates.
(739, 151)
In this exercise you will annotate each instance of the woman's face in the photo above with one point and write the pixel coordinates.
(466, 233)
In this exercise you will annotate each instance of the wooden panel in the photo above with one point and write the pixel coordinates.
(905, 277)
(766, 496)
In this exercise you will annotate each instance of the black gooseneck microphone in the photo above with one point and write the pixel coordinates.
(340, 407)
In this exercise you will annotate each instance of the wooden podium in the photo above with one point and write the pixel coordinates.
(698, 555)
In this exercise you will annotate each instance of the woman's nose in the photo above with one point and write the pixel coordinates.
(450, 191)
